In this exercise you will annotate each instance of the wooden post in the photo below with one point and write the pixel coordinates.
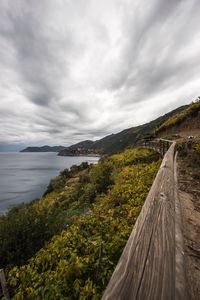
(3, 285)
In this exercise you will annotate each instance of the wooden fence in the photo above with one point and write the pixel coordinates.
(159, 145)
(151, 266)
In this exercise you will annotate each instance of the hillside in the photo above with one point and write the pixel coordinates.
(184, 123)
(45, 148)
(82, 148)
(86, 217)
(119, 141)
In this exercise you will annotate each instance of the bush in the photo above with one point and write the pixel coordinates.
(23, 231)
(197, 148)
(78, 263)
(101, 176)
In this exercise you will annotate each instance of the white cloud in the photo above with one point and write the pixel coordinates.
(73, 70)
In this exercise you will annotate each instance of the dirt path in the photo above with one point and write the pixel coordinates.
(190, 204)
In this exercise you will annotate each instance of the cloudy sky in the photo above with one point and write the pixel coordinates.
(81, 69)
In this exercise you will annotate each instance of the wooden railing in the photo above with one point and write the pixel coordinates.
(159, 145)
(151, 266)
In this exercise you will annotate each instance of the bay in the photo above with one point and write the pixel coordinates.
(25, 176)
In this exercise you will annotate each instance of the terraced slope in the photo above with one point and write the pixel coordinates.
(187, 120)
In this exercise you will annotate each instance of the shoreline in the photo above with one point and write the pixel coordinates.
(82, 155)
(31, 191)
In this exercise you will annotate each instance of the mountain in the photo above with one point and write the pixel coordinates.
(81, 148)
(119, 141)
(45, 148)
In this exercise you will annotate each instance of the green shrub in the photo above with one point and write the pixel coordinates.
(23, 231)
(197, 147)
(101, 176)
(78, 263)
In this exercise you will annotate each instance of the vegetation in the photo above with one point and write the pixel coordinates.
(26, 228)
(189, 154)
(178, 118)
(197, 147)
(23, 232)
(190, 151)
(99, 205)
(81, 148)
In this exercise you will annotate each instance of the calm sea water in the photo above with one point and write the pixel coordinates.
(25, 176)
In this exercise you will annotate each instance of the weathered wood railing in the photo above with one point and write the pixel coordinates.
(159, 145)
(151, 266)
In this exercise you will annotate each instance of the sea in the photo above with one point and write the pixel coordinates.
(25, 176)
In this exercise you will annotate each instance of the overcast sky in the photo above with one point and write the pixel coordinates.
(81, 69)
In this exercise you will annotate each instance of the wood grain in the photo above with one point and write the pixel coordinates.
(147, 267)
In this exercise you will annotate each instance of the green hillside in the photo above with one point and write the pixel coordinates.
(189, 113)
(94, 208)
(77, 149)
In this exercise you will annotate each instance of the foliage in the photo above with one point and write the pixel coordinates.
(58, 183)
(178, 118)
(197, 148)
(133, 156)
(79, 261)
(101, 176)
(190, 150)
(23, 231)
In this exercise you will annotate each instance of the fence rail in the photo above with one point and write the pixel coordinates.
(151, 266)
(159, 145)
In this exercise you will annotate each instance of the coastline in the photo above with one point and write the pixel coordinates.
(81, 155)
(25, 177)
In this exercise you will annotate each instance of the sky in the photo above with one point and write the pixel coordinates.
(75, 70)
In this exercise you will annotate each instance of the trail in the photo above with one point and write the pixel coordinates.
(189, 193)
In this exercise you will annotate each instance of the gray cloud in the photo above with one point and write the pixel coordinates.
(73, 70)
